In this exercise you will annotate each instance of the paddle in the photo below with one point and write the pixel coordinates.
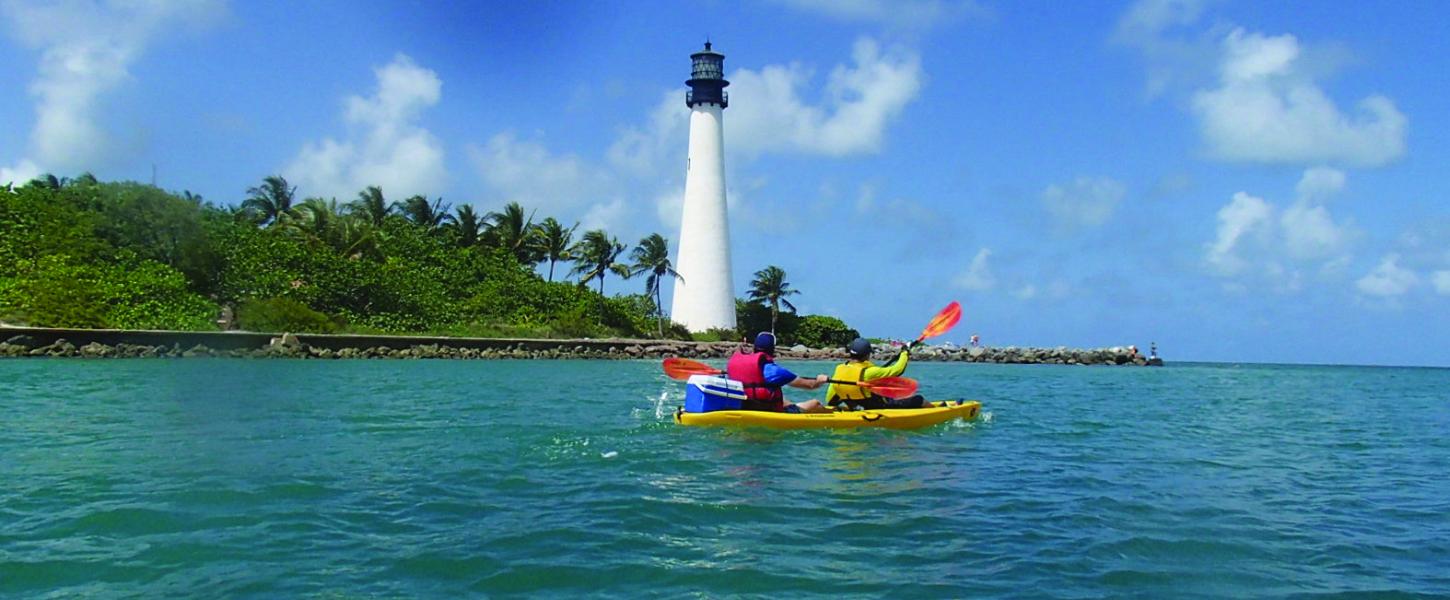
(942, 322)
(890, 387)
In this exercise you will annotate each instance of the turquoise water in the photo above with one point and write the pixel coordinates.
(272, 478)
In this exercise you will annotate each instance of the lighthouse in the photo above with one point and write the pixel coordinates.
(704, 297)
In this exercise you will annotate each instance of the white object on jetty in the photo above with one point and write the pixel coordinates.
(704, 296)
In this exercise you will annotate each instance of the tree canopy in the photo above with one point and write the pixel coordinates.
(85, 253)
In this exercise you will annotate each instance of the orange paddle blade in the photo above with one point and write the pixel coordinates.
(683, 368)
(891, 387)
(943, 322)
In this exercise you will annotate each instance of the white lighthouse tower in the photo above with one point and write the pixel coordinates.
(704, 296)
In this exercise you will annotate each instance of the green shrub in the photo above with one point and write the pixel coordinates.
(717, 334)
(282, 314)
(820, 331)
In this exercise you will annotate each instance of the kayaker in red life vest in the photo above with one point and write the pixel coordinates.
(764, 379)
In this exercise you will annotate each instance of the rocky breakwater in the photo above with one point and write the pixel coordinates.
(1043, 356)
(1062, 355)
(306, 346)
(358, 347)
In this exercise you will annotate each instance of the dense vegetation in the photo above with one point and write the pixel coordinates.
(85, 253)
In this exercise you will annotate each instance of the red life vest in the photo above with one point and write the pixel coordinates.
(749, 369)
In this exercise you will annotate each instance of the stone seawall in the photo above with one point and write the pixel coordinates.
(106, 343)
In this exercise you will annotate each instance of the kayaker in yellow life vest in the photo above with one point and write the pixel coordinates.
(860, 368)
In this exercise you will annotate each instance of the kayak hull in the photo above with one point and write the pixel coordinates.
(891, 418)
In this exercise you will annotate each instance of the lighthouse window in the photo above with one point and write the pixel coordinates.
(707, 69)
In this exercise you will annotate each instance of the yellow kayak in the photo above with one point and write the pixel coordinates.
(891, 418)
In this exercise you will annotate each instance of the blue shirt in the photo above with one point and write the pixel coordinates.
(776, 375)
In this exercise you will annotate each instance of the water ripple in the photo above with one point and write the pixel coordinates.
(423, 478)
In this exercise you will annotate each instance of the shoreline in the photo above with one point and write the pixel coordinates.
(39, 342)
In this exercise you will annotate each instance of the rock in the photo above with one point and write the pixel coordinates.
(287, 339)
(97, 350)
(198, 350)
(59, 348)
(23, 341)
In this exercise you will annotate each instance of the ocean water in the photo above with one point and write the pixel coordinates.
(274, 478)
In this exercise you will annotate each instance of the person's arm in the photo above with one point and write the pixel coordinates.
(809, 384)
(892, 370)
(778, 376)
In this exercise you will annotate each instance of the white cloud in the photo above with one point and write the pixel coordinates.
(659, 145)
(1171, 60)
(905, 14)
(605, 214)
(1267, 108)
(86, 50)
(1388, 279)
(1086, 202)
(19, 174)
(1026, 292)
(1318, 183)
(1148, 18)
(769, 111)
(1441, 279)
(1310, 233)
(1256, 238)
(978, 276)
(385, 146)
(1245, 215)
(563, 186)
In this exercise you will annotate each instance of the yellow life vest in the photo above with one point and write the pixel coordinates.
(850, 371)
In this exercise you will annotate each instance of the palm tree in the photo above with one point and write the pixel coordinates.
(371, 206)
(350, 236)
(466, 226)
(595, 256)
(652, 256)
(551, 242)
(512, 231)
(431, 217)
(271, 200)
(770, 286)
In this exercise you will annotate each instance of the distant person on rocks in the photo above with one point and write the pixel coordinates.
(764, 379)
(976, 341)
(1152, 349)
(860, 368)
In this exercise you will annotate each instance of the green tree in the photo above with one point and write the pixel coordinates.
(323, 221)
(551, 242)
(431, 217)
(770, 287)
(512, 231)
(652, 256)
(271, 200)
(371, 206)
(465, 226)
(597, 255)
(153, 223)
(820, 331)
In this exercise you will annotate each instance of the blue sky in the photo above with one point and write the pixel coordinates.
(1236, 181)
